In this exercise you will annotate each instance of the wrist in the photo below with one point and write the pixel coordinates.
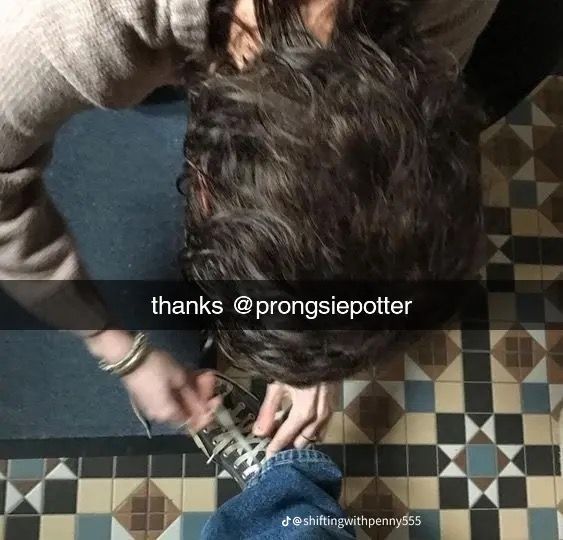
(110, 345)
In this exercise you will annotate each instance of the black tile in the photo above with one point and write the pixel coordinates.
(166, 465)
(523, 194)
(478, 397)
(530, 308)
(60, 497)
(485, 524)
(450, 428)
(22, 528)
(553, 293)
(422, 460)
(476, 366)
(507, 249)
(72, 464)
(359, 460)
(512, 492)
(520, 460)
(498, 286)
(475, 336)
(131, 466)
(474, 308)
(508, 429)
(443, 460)
(539, 460)
(497, 220)
(195, 465)
(334, 452)
(96, 467)
(552, 250)
(526, 250)
(479, 418)
(391, 460)
(24, 508)
(557, 460)
(453, 493)
(483, 502)
(500, 277)
(227, 488)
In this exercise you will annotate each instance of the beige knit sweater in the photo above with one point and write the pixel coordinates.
(58, 57)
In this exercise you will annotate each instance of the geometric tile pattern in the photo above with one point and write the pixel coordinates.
(460, 430)
(147, 512)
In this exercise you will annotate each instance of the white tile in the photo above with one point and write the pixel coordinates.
(35, 497)
(61, 472)
(118, 532)
(413, 372)
(13, 498)
(173, 532)
(538, 374)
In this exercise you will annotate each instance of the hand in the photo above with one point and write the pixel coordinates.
(311, 409)
(162, 389)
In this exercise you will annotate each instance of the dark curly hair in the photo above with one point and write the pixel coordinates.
(356, 161)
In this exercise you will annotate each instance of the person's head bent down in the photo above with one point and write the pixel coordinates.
(354, 162)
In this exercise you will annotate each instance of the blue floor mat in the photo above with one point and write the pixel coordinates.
(114, 178)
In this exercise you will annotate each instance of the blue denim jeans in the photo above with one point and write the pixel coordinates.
(295, 496)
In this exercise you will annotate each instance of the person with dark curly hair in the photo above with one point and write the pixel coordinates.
(351, 161)
(355, 160)
(328, 141)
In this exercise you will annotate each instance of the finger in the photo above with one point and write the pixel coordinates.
(302, 441)
(182, 383)
(198, 414)
(313, 432)
(205, 382)
(287, 433)
(167, 410)
(266, 420)
(324, 406)
(214, 403)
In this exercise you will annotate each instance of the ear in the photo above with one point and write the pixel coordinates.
(319, 17)
(244, 36)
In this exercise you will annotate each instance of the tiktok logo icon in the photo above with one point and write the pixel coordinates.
(285, 521)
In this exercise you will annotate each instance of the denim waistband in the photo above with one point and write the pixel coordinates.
(286, 457)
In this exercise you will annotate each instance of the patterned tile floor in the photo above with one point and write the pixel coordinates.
(461, 430)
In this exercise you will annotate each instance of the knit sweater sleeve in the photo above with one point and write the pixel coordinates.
(56, 59)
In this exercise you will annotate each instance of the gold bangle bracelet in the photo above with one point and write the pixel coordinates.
(132, 360)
